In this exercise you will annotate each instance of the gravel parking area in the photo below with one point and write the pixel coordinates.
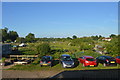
(27, 74)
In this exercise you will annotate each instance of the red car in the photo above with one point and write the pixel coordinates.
(88, 61)
(118, 59)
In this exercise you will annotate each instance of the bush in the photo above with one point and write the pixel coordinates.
(43, 49)
(3, 59)
(36, 61)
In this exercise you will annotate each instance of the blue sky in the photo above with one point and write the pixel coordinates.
(61, 19)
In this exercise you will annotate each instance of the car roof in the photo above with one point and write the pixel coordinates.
(88, 56)
(65, 55)
(47, 56)
(106, 56)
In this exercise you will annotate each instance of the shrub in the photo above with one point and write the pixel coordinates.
(43, 49)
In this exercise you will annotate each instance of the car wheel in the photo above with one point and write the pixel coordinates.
(51, 65)
(104, 64)
(40, 65)
(96, 65)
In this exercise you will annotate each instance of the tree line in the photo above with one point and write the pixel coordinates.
(12, 36)
(83, 43)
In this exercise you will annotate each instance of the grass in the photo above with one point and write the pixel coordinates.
(87, 53)
(58, 67)
(30, 49)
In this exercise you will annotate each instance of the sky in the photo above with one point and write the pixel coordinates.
(61, 19)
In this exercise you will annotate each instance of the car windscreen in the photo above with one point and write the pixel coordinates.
(90, 59)
(109, 57)
(46, 58)
(67, 58)
(118, 57)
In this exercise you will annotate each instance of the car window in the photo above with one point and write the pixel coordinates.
(101, 57)
(109, 57)
(118, 57)
(67, 59)
(81, 57)
(90, 59)
(46, 58)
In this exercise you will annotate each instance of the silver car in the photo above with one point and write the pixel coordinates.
(66, 61)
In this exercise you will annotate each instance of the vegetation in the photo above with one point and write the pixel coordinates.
(3, 59)
(30, 37)
(8, 35)
(43, 49)
(74, 46)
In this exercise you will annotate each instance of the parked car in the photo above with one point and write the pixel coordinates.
(66, 61)
(46, 61)
(117, 59)
(106, 60)
(87, 61)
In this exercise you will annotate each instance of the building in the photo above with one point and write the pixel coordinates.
(6, 49)
(107, 39)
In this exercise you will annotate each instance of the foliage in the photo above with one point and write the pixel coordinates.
(113, 47)
(3, 59)
(37, 61)
(87, 53)
(74, 36)
(43, 49)
(30, 37)
(113, 36)
(4, 34)
(69, 38)
(20, 40)
(85, 43)
(13, 35)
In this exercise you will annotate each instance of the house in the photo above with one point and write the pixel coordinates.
(107, 39)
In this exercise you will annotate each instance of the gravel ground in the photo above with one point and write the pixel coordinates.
(27, 74)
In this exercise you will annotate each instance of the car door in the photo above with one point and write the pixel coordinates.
(80, 59)
(99, 59)
(118, 59)
(102, 60)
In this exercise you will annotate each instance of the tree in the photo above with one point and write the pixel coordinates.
(20, 40)
(13, 35)
(95, 37)
(113, 46)
(8, 36)
(69, 38)
(74, 36)
(43, 49)
(4, 34)
(30, 37)
(112, 36)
